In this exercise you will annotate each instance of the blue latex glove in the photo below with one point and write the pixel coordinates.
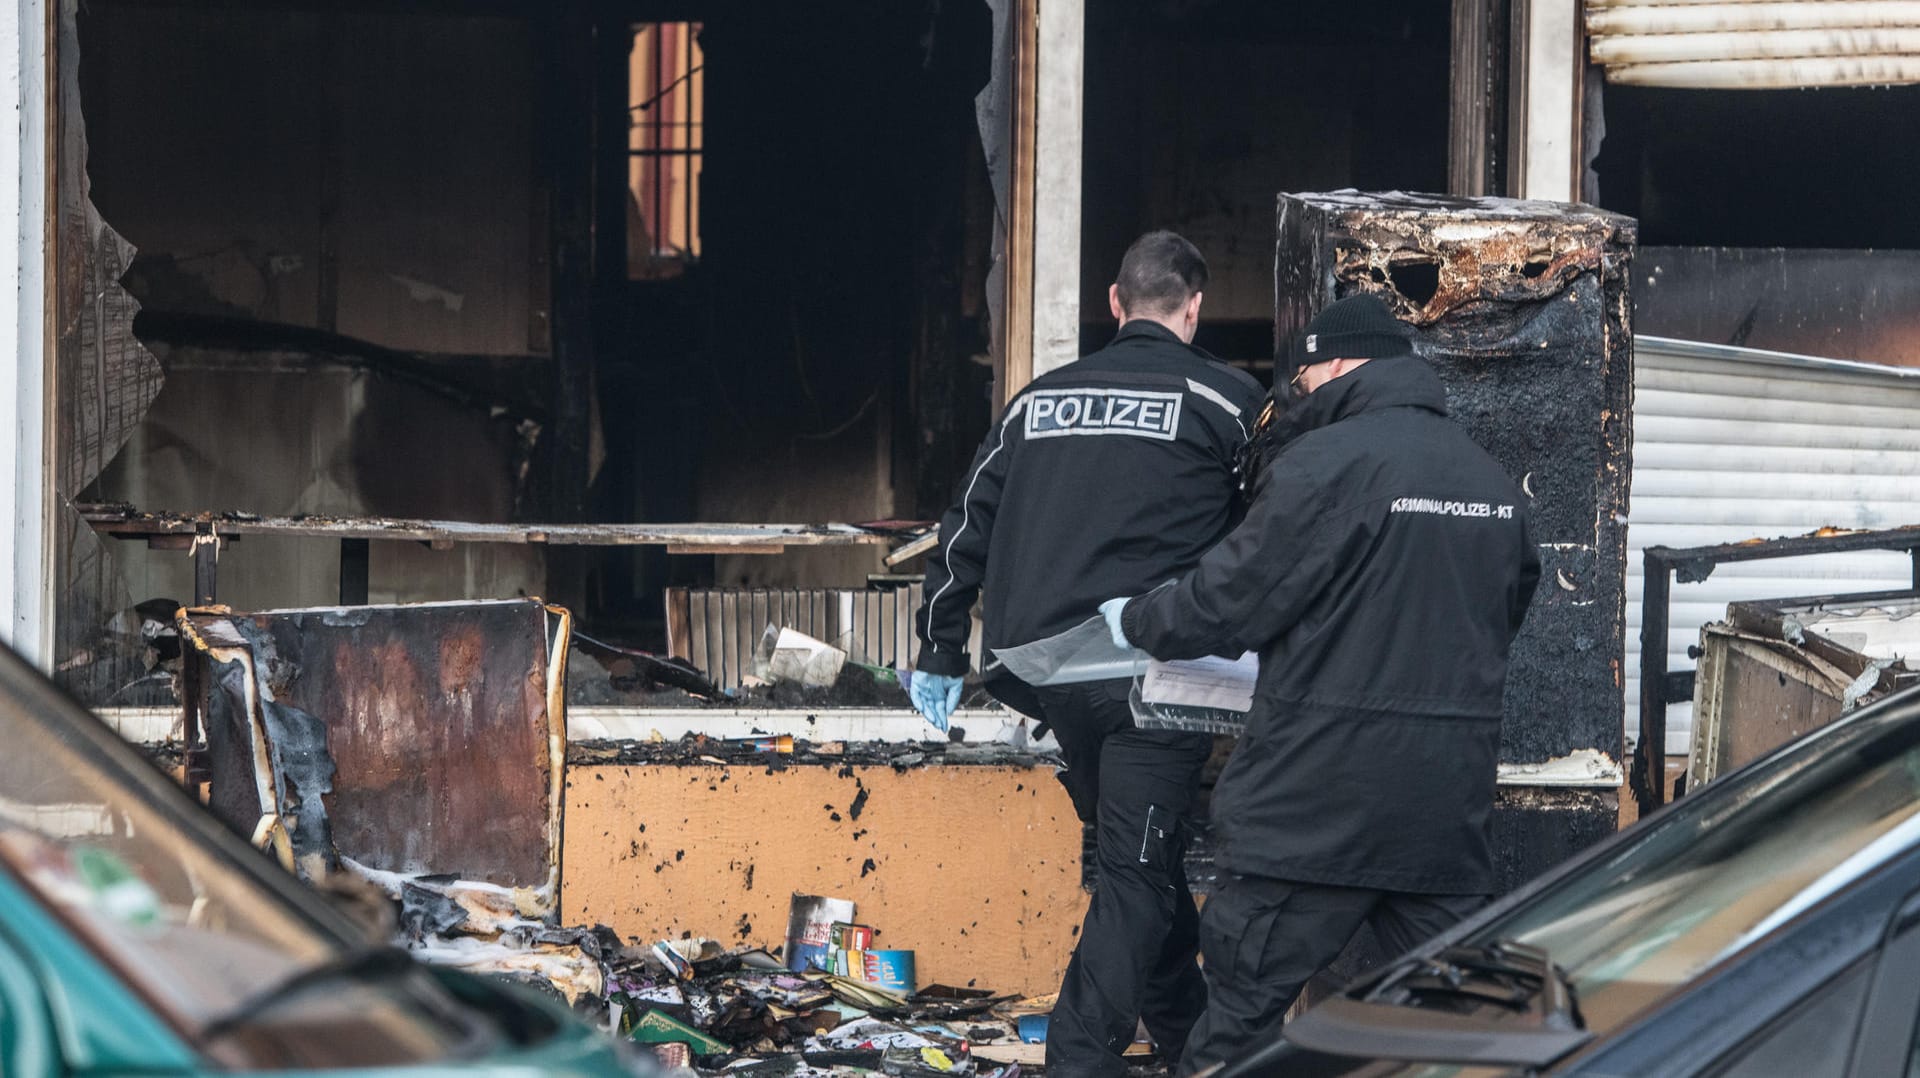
(935, 696)
(1111, 611)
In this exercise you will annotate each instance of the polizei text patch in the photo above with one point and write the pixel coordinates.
(1446, 508)
(1142, 413)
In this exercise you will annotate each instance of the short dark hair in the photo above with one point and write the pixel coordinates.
(1159, 273)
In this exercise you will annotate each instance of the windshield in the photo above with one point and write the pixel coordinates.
(197, 923)
(1729, 864)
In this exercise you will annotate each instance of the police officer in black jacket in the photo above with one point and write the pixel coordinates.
(1107, 477)
(1382, 572)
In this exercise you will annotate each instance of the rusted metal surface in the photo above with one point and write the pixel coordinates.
(121, 521)
(1777, 669)
(1753, 697)
(444, 724)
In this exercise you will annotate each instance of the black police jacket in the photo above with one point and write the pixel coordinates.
(1104, 478)
(1382, 572)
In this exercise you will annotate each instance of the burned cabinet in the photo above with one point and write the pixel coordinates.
(1523, 309)
(412, 739)
(1776, 669)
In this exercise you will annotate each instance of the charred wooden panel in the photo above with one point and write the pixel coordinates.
(1523, 308)
(438, 721)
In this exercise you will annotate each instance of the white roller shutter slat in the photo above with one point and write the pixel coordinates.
(1689, 430)
(1759, 44)
(1763, 514)
(1781, 45)
(1695, 605)
(1826, 387)
(1734, 458)
(1688, 535)
(1675, 3)
(1685, 484)
(1712, 404)
(1644, 19)
(1731, 444)
(1772, 74)
(1856, 572)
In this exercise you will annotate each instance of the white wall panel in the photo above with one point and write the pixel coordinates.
(1732, 444)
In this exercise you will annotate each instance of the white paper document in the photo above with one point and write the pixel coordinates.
(1226, 684)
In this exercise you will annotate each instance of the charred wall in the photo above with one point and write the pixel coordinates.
(369, 173)
(1861, 305)
(1196, 113)
(1773, 219)
(103, 383)
(843, 185)
(317, 196)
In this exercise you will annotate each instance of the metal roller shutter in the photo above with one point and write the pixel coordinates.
(1732, 444)
(1757, 44)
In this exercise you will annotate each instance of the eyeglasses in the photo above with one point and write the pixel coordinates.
(1294, 388)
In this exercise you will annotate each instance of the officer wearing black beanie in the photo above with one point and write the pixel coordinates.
(1381, 572)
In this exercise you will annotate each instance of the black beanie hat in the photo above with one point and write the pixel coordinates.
(1358, 327)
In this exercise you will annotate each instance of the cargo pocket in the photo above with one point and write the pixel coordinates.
(1235, 930)
(1160, 840)
(1250, 950)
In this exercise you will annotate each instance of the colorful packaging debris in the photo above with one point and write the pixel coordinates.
(705, 1010)
(810, 921)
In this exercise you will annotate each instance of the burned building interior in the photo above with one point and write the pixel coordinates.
(507, 263)
(490, 263)
(445, 401)
(1794, 241)
(614, 304)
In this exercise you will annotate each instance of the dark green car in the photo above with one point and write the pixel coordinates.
(138, 936)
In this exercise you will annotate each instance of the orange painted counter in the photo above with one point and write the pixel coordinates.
(976, 868)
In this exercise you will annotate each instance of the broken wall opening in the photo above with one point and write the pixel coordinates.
(384, 261)
(1761, 168)
(1196, 114)
(1773, 219)
(817, 360)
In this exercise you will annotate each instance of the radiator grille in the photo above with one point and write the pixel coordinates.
(717, 629)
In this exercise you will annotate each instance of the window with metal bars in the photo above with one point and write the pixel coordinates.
(664, 147)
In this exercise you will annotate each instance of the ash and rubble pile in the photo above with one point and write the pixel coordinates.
(707, 1009)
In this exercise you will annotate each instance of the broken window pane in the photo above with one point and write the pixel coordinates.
(668, 96)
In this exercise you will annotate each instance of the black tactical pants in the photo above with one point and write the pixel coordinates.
(1135, 958)
(1264, 938)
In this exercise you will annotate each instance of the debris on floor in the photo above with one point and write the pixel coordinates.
(847, 1009)
(787, 655)
(606, 674)
(790, 670)
(810, 923)
(745, 1013)
(783, 751)
(599, 673)
(735, 1016)
(484, 928)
